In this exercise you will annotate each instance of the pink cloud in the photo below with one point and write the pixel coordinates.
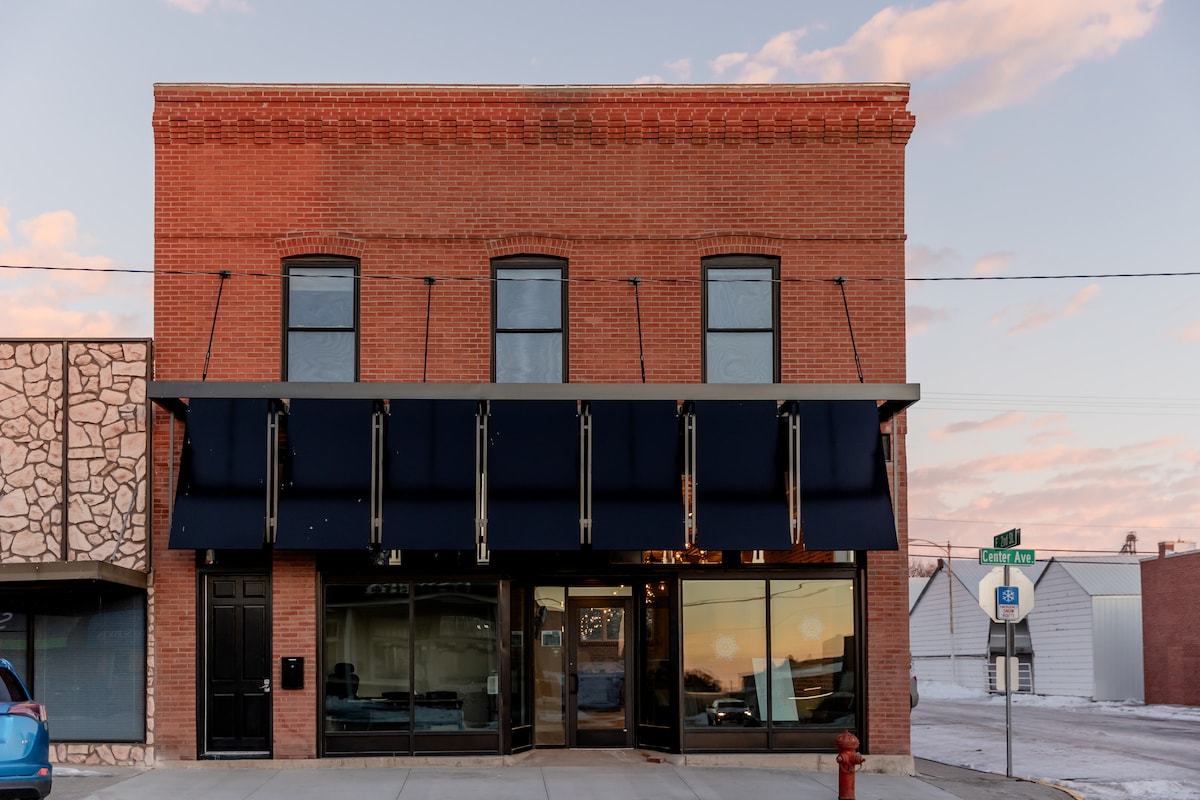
(1190, 334)
(922, 318)
(1005, 420)
(1078, 498)
(200, 6)
(923, 261)
(975, 56)
(1035, 315)
(65, 303)
(992, 264)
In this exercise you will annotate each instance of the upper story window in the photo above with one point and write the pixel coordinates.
(741, 319)
(322, 319)
(529, 320)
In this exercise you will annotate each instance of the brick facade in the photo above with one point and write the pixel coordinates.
(435, 181)
(1170, 644)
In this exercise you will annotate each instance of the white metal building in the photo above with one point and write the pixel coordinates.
(949, 604)
(1087, 628)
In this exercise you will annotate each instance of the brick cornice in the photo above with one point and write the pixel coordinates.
(408, 115)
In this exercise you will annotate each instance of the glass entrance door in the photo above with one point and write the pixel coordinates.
(599, 672)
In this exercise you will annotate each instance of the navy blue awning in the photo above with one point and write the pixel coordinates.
(533, 475)
(741, 501)
(430, 475)
(221, 499)
(637, 468)
(325, 500)
(845, 503)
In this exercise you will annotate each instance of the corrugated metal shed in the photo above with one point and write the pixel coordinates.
(969, 573)
(915, 587)
(1107, 575)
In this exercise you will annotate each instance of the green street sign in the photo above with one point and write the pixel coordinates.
(997, 557)
(1007, 539)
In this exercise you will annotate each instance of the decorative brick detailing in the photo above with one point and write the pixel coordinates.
(102, 493)
(551, 115)
(315, 243)
(531, 244)
(739, 244)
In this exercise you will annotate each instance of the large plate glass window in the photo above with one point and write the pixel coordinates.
(741, 331)
(530, 334)
(322, 319)
(778, 653)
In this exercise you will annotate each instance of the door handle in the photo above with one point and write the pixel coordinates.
(574, 687)
(266, 686)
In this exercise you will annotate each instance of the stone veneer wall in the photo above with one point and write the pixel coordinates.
(95, 506)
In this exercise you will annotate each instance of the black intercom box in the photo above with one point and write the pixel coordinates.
(292, 672)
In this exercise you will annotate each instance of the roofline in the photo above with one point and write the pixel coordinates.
(759, 87)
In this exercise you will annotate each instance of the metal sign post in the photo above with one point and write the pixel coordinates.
(1008, 604)
(1008, 655)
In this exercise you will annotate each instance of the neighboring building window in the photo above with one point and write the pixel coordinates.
(529, 320)
(81, 650)
(741, 334)
(322, 319)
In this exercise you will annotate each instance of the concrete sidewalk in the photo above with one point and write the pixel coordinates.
(599, 775)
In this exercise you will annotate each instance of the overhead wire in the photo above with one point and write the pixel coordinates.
(644, 280)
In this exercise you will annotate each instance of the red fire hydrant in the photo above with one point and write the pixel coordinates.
(848, 761)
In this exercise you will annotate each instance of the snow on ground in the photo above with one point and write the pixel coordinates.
(1100, 750)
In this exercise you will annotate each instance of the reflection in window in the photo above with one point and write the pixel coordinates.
(322, 333)
(808, 678)
(452, 636)
(812, 648)
(659, 678)
(367, 655)
(739, 325)
(529, 328)
(89, 665)
(550, 725)
(457, 679)
(724, 650)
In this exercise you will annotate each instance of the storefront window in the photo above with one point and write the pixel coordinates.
(518, 702)
(367, 655)
(439, 671)
(807, 678)
(724, 653)
(550, 725)
(812, 648)
(457, 658)
(658, 683)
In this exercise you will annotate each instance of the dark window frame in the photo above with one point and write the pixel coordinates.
(333, 262)
(746, 262)
(531, 262)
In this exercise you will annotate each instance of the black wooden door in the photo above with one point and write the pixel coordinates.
(237, 665)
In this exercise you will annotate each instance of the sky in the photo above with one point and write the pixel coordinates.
(1053, 139)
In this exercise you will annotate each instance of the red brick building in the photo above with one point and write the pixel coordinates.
(516, 417)
(1170, 644)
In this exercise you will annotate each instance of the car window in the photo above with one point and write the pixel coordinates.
(10, 688)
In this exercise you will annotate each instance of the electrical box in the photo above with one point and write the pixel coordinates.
(292, 672)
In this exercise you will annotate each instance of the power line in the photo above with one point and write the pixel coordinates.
(1125, 527)
(421, 278)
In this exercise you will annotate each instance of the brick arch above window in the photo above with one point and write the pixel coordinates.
(306, 243)
(739, 244)
(529, 244)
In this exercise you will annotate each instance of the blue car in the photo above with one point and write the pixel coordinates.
(25, 770)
